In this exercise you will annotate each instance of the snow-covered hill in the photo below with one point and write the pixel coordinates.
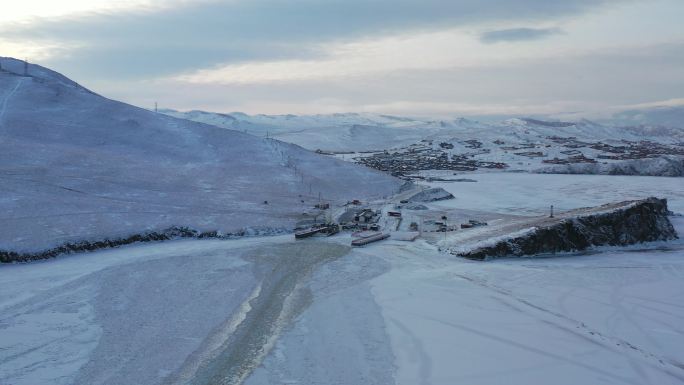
(335, 132)
(77, 166)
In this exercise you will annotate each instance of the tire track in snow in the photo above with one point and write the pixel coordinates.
(424, 361)
(282, 297)
(535, 350)
(213, 346)
(606, 341)
(9, 95)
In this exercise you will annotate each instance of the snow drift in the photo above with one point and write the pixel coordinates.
(619, 224)
(77, 167)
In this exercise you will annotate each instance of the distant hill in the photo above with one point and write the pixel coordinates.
(653, 116)
(363, 132)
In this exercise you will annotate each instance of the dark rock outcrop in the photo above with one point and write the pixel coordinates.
(614, 225)
(150, 236)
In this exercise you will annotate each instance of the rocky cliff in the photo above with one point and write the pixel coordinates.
(618, 224)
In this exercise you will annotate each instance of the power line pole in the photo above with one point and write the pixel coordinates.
(25, 67)
(155, 106)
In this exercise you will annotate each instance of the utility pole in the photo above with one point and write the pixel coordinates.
(25, 67)
(551, 216)
(155, 106)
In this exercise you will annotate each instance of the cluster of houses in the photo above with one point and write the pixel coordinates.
(571, 159)
(417, 158)
(365, 226)
(638, 150)
(360, 219)
(407, 161)
(625, 151)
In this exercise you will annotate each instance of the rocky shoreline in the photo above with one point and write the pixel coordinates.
(7, 256)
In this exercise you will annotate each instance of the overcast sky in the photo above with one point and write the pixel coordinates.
(422, 57)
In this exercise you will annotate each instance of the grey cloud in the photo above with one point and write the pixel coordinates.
(139, 45)
(599, 79)
(518, 34)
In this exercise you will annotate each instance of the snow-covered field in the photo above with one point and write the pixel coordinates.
(392, 312)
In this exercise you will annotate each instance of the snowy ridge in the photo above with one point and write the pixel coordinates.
(35, 71)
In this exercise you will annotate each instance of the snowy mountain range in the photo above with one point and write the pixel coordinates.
(76, 166)
(365, 131)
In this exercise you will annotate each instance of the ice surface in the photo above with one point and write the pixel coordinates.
(533, 194)
(606, 318)
(392, 312)
(126, 316)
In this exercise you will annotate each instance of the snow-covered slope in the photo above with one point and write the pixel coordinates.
(76, 166)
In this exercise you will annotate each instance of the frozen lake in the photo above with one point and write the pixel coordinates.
(270, 311)
(532, 194)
